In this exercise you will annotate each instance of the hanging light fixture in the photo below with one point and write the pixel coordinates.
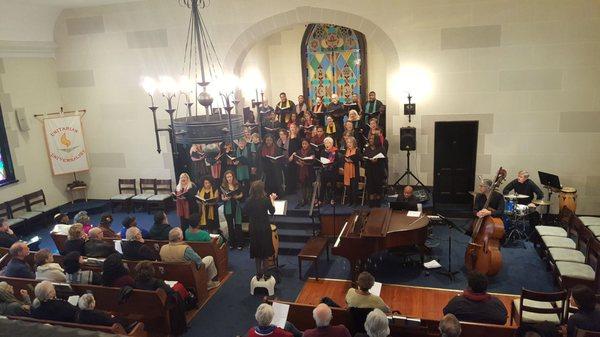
(203, 81)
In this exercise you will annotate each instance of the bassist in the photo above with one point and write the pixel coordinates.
(496, 205)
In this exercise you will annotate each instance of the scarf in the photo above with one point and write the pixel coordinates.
(207, 209)
(230, 204)
(318, 108)
(181, 203)
(286, 105)
(371, 106)
(330, 129)
(265, 330)
(476, 297)
(349, 168)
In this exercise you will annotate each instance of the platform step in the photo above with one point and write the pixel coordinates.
(290, 248)
(294, 235)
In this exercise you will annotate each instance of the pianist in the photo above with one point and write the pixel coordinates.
(408, 200)
(362, 298)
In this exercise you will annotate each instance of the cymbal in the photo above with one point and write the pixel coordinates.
(541, 202)
(516, 196)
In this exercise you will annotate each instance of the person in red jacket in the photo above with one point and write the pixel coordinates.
(264, 317)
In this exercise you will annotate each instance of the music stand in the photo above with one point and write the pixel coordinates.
(551, 182)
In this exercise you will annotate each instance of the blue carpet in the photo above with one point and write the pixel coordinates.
(230, 311)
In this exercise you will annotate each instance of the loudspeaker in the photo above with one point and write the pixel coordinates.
(408, 139)
(22, 120)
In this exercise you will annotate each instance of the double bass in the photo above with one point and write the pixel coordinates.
(483, 252)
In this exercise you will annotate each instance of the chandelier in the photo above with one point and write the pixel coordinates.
(203, 79)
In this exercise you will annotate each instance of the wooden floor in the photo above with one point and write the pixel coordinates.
(419, 302)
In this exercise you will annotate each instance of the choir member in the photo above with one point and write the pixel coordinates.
(269, 157)
(372, 108)
(307, 125)
(354, 118)
(318, 111)
(213, 158)
(374, 129)
(232, 195)
(198, 158)
(248, 135)
(284, 108)
(208, 196)
(185, 200)
(254, 151)
(329, 173)
(354, 104)
(351, 169)
(331, 129)
(293, 120)
(301, 107)
(270, 125)
(374, 171)
(243, 158)
(304, 159)
(317, 139)
(292, 169)
(336, 110)
(228, 162)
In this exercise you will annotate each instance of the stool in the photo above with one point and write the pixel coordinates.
(269, 284)
(311, 252)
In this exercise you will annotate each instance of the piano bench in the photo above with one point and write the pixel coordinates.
(311, 252)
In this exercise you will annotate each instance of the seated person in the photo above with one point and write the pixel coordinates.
(75, 240)
(10, 305)
(376, 325)
(178, 251)
(96, 247)
(17, 267)
(160, 229)
(449, 326)
(114, 272)
(588, 317)
(322, 315)
(74, 274)
(85, 221)
(496, 205)
(128, 222)
(105, 225)
(475, 304)
(46, 268)
(47, 306)
(408, 198)
(87, 314)
(7, 237)
(361, 298)
(62, 225)
(134, 248)
(264, 316)
(194, 233)
(144, 278)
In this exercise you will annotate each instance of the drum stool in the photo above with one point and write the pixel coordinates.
(268, 284)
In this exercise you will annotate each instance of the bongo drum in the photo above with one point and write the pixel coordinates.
(568, 198)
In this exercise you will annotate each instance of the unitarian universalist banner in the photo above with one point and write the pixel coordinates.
(65, 144)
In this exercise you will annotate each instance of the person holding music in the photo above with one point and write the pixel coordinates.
(257, 208)
(304, 159)
(208, 197)
(374, 170)
(330, 173)
(184, 200)
(523, 186)
(496, 204)
(270, 155)
(232, 194)
(351, 170)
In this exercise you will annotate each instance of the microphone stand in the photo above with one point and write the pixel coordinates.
(448, 271)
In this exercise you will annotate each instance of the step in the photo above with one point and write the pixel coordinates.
(290, 248)
(294, 235)
(298, 222)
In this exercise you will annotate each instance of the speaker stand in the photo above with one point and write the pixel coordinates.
(408, 173)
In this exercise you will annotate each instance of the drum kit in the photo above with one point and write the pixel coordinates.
(515, 214)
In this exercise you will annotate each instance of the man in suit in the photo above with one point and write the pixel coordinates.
(96, 246)
(17, 267)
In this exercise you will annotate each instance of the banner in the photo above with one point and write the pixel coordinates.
(65, 144)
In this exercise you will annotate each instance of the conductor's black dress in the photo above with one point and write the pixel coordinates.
(261, 240)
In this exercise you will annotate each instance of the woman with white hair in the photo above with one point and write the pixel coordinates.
(47, 306)
(329, 174)
(264, 317)
(376, 325)
(10, 304)
(84, 219)
(88, 314)
(46, 268)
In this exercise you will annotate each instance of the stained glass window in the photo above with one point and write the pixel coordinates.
(7, 174)
(334, 61)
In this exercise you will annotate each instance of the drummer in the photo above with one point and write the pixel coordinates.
(525, 186)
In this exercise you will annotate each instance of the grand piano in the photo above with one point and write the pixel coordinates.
(369, 231)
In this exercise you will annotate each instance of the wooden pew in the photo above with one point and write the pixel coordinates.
(212, 248)
(149, 307)
(116, 329)
(301, 316)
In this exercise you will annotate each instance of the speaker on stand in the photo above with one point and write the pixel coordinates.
(408, 142)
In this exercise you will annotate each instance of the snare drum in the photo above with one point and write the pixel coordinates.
(509, 208)
(521, 210)
(568, 198)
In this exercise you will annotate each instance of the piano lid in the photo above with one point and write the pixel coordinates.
(378, 223)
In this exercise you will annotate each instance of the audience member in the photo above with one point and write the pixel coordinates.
(46, 268)
(322, 315)
(475, 304)
(194, 232)
(75, 240)
(130, 221)
(61, 224)
(144, 278)
(7, 237)
(83, 218)
(88, 314)
(134, 248)
(361, 297)
(376, 325)
(264, 317)
(47, 306)
(74, 274)
(105, 225)
(160, 229)
(588, 317)
(17, 267)
(449, 326)
(114, 272)
(96, 247)
(178, 251)
(10, 305)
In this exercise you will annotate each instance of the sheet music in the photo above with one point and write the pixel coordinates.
(280, 314)
(170, 283)
(337, 242)
(118, 247)
(280, 207)
(73, 300)
(413, 214)
(376, 288)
